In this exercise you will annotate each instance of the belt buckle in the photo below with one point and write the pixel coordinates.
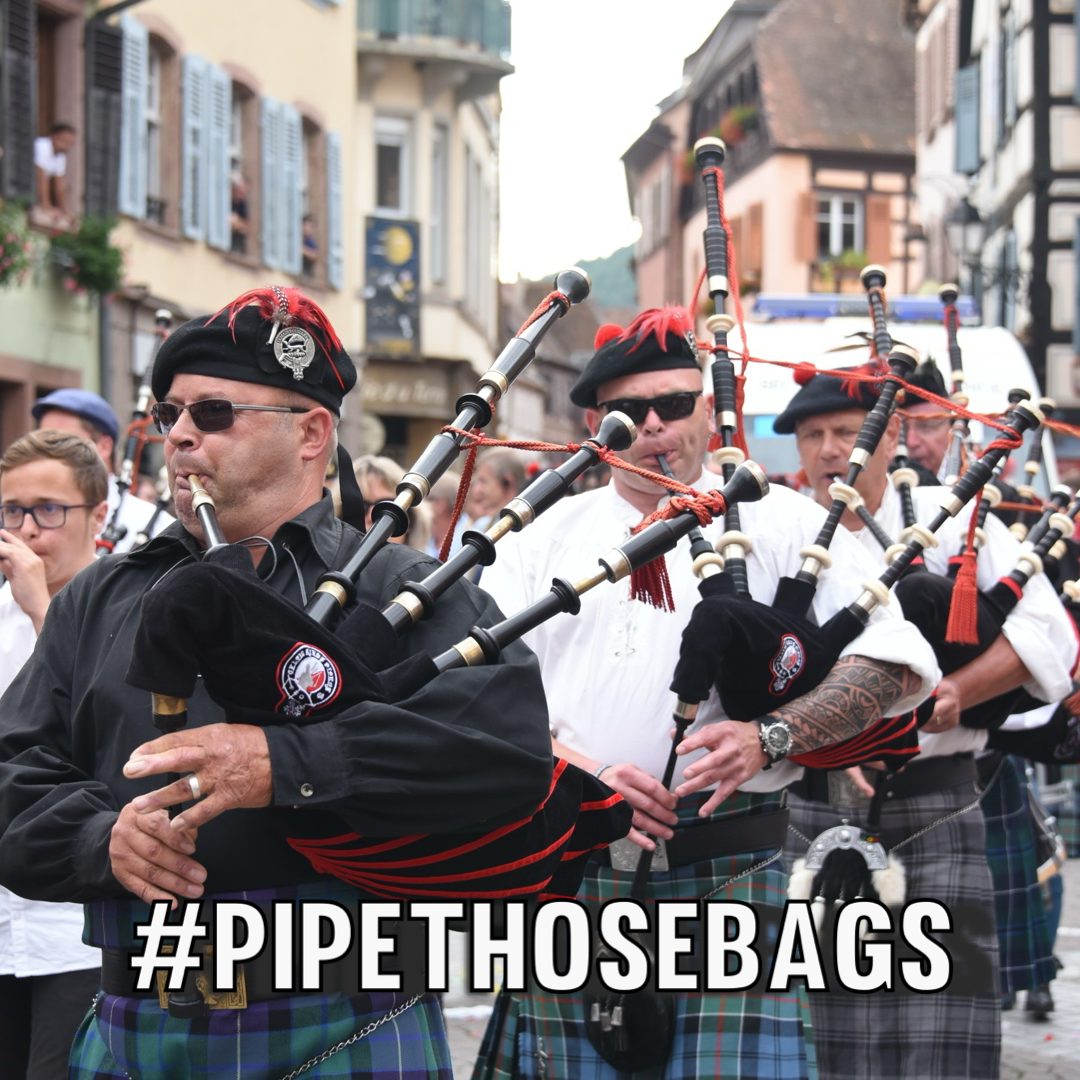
(215, 999)
(843, 792)
(624, 855)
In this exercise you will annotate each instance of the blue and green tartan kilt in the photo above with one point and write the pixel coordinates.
(745, 1034)
(136, 1038)
(1023, 936)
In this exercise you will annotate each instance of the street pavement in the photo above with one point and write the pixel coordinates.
(1031, 1049)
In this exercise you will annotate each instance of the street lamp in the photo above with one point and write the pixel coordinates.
(965, 232)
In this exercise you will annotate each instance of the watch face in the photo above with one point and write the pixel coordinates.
(777, 739)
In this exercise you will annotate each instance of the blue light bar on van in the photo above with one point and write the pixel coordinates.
(824, 305)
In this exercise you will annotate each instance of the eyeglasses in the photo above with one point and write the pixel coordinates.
(929, 426)
(668, 406)
(211, 414)
(47, 515)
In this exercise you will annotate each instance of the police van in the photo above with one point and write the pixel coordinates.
(833, 331)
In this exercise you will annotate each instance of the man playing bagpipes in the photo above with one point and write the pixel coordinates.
(1025, 960)
(928, 812)
(249, 401)
(607, 673)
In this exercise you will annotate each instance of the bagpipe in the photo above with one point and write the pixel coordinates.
(114, 531)
(216, 620)
(760, 656)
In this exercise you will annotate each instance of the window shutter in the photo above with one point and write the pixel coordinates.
(335, 240)
(136, 55)
(292, 147)
(270, 181)
(878, 229)
(967, 119)
(805, 238)
(1076, 287)
(194, 128)
(752, 255)
(218, 200)
(18, 105)
(104, 57)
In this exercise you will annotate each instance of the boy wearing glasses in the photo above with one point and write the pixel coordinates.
(607, 673)
(249, 402)
(89, 415)
(52, 502)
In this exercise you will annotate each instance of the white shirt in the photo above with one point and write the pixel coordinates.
(51, 162)
(1038, 628)
(36, 937)
(134, 515)
(606, 671)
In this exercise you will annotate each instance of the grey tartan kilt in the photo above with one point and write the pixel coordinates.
(744, 1035)
(902, 1035)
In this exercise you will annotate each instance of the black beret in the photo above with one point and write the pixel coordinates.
(927, 376)
(272, 336)
(823, 394)
(658, 339)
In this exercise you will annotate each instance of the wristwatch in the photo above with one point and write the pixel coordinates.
(775, 739)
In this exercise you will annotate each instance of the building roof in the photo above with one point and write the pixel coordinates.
(838, 75)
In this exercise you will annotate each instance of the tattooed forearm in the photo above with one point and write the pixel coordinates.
(855, 693)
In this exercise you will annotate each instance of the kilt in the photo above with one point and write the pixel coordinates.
(1023, 937)
(744, 1034)
(135, 1037)
(904, 1035)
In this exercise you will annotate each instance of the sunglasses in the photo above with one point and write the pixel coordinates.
(668, 407)
(211, 414)
(48, 515)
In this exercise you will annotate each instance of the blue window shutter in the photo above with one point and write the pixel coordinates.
(335, 240)
(966, 111)
(218, 201)
(135, 57)
(270, 181)
(193, 168)
(292, 147)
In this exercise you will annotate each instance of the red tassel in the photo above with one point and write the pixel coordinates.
(740, 396)
(651, 584)
(963, 609)
(1072, 703)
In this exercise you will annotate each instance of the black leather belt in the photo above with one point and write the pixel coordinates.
(695, 843)
(917, 778)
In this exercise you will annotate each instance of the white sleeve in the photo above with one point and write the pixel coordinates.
(1038, 628)
(43, 152)
(888, 636)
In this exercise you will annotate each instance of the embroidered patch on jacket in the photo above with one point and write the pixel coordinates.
(787, 663)
(307, 678)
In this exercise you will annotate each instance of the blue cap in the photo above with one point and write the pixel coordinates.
(84, 403)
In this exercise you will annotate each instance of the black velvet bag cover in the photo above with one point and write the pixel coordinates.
(925, 598)
(261, 658)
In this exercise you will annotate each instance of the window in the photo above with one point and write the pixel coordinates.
(155, 193)
(243, 166)
(280, 177)
(313, 201)
(440, 182)
(473, 239)
(392, 165)
(839, 221)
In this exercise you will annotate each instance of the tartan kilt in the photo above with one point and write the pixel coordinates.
(134, 1037)
(904, 1035)
(1023, 937)
(740, 1034)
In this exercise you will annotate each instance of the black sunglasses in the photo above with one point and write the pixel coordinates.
(668, 406)
(211, 414)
